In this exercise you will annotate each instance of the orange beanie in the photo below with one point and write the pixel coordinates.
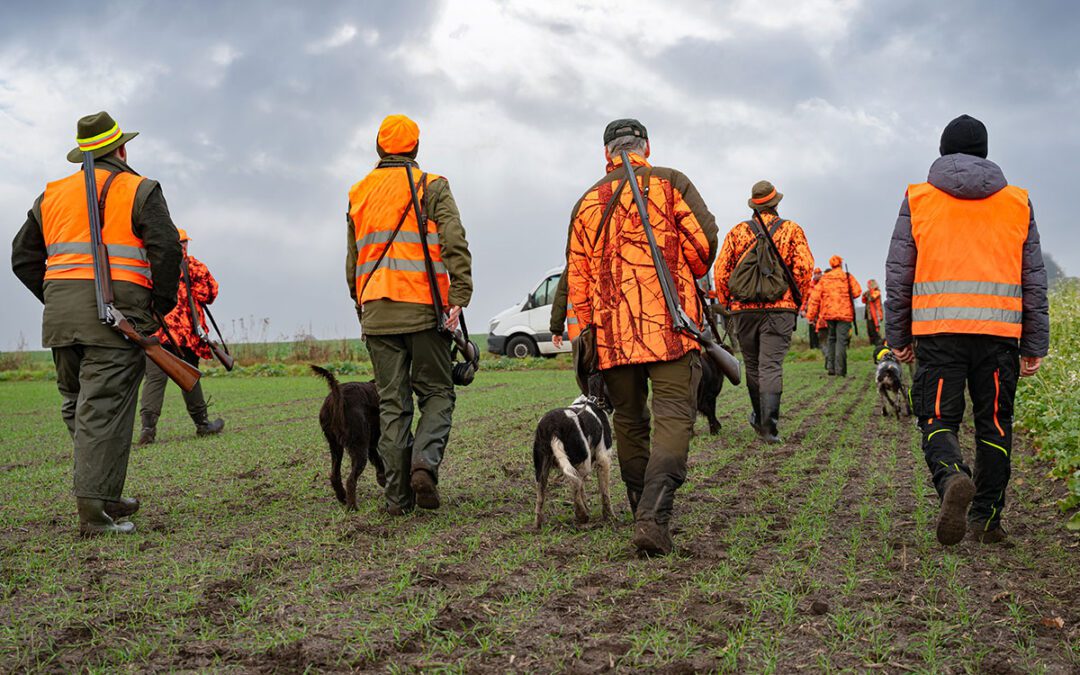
(835, 261)
(398, 134)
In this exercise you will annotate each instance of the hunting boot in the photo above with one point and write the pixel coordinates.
(121, 508)
(149, 429)
(93, 520)
(652, 535)
(203, 425)
(955, 500)
(423, 486)
(770, 408)
(652, 538)
(977, 532)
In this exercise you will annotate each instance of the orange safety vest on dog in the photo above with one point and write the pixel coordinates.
(65, 225)
(970, 260)
(376, 205)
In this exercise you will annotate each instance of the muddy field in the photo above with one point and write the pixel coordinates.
(818, 554)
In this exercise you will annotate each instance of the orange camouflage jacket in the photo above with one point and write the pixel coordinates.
(833, 302)
(204, 288)
(611, 279)
(790, 242)
(872, 300)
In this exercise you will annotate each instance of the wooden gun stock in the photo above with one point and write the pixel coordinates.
(221, 355)
(185, 375)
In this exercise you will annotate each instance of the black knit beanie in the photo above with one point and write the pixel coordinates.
(964, 134)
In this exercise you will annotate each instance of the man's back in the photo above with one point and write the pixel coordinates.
(612, 280)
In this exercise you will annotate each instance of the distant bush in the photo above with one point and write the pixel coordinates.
(1049, 403)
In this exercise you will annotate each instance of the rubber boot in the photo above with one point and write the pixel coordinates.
(122, 508)
(423, 486)
(93, 520)
(755, 402)
(204, 427)
(149, 429)
(770, 409)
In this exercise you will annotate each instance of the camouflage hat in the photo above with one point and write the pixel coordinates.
(99, 134)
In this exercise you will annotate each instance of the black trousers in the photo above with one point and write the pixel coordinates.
(988, 368)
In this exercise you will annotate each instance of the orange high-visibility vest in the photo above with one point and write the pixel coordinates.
(376, 206)
(573, 326)
(65, 225)
(970, 260)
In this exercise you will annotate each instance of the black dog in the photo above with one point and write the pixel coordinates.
(890, 383)
(573, 438)
(350, 421)
(712, 383)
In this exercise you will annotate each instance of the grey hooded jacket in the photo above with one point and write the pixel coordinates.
(964, 177)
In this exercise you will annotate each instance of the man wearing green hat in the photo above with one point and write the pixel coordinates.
(97, 370)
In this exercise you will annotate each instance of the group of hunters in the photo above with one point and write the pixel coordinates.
(965, 299)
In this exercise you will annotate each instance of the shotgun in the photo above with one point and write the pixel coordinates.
(851, 299)
(727, 363)
(220, 352)
(462, 372)
(179, 371)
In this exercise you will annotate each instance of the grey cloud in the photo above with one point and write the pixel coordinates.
(253, 154)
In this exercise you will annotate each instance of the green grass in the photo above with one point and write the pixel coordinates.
(244, 560)
(1049, 404)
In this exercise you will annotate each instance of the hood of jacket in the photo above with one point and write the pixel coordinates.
(966, 176)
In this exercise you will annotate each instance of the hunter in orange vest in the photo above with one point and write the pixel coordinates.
(873, 314)
(393, 265)
(97, 371)
(966, 294)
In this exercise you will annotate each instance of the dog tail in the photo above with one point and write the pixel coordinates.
(337, 401)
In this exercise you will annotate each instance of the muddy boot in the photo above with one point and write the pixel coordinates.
(952, 518)
(423, 486)
(204, 427)
(770, 408)
(149, 430)
(93, 520)
(122, 508)
(977, 532)
(395, 510)
(652, 538)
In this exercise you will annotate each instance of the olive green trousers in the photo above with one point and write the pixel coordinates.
(100, 387)
(407, 364)
(654, 467)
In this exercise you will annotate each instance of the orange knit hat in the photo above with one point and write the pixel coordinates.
(398, 134)
(835, 261)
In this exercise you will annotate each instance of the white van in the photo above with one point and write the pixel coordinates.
(523, 330)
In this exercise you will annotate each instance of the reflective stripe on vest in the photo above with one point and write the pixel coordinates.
(573, 326)
(65, 226)
(969, 265)
(376, 206)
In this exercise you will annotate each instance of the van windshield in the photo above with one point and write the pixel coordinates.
(545, 292)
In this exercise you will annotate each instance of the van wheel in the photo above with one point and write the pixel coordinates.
(520, 347)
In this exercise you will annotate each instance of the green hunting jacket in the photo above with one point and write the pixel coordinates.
(388, 317)
(70, 315)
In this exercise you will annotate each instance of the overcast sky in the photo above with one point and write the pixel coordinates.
(257, 117)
